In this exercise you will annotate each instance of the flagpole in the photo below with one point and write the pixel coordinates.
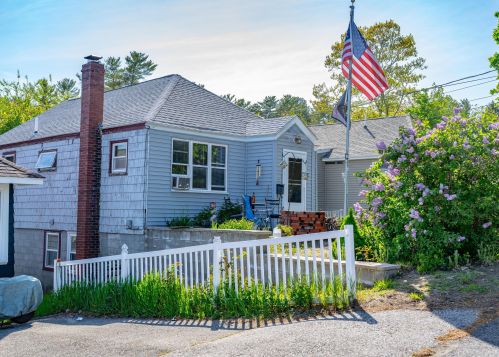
(349, 113)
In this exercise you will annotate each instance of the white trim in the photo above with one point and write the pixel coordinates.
(352, 159)
(50, 265)
(296, 121)
(21, 180)
(4, 223)
(69, 235)
(292, 206)
(190, 167)
(113, 157)
(205, 134)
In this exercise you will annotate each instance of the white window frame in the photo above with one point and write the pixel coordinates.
(68, 246)
(45, 153)
(113, 158)
(190, 166)
(50, 265)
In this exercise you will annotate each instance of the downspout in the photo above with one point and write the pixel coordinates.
(146, 176)
(245, 168)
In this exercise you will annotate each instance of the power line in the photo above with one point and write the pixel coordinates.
(474, 85)
(493, 95)
(453, 81)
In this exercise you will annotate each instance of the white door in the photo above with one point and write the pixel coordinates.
(4, 224)
(295, 187)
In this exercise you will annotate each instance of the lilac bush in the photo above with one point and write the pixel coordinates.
(434, 191)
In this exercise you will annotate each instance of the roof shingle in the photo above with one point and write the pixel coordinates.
(363, 136)
(171, 100)
(9, 169)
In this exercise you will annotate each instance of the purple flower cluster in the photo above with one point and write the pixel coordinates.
(494, 125)
(485, 140)
(358, 208)
(466, 145)
(486, 225)
(431, 153)
(415, 215)
(381, 145)
(450, 197)
(420, 186)
(363, 193)
(461, 238)
(378, 187)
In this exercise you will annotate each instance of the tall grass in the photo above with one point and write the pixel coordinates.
(166, 297)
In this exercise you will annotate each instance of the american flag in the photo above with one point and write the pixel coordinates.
(367, 75)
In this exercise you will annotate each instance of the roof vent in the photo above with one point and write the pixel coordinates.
(35, 130)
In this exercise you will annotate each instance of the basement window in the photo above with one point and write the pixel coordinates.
(119, 157)
(47, 160)
(52, 249)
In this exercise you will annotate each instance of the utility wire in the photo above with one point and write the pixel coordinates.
(447, 83)
(474, 85)
(493, 95)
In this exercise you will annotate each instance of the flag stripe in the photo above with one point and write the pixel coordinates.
(367, 75)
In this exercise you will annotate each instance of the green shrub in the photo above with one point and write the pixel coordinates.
(182, 221)
(350, 219)
(228, 211)
(239, 224)
(433, 193)
(203, 218)
(285, 230)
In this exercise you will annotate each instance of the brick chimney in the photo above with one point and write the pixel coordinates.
(92, 113)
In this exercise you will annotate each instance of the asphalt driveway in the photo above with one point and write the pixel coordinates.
(387, 333)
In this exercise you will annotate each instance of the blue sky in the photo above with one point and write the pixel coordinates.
(248, 48)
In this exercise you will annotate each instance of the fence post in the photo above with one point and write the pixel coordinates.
(350, 260)
(124, 262)
(217, 248)
(56, 274)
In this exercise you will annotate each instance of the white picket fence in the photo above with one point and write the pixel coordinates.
(276, 260)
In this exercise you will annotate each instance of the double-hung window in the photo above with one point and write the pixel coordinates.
(119, 158)
(198, 166)
(52, 249)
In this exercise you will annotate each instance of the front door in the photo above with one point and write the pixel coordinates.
(295, 188)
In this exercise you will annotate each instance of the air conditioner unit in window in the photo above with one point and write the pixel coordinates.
(181, 183)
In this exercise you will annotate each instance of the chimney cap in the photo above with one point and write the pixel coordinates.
(92, 58)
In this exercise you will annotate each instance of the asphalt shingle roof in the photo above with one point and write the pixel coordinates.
(363, 136)
(9, 169)
(171, 100)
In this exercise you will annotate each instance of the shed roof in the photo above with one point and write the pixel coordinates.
(12, 173)
(364, 134)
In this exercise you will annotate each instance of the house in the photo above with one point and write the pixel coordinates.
(120, 163)
(10, 175)
(330, 151)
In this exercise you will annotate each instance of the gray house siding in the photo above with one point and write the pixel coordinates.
(164, 204)
(286, 141)
(122, 196)
(53, 204)
(320, 192)
(263, 151)
(334, 186)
